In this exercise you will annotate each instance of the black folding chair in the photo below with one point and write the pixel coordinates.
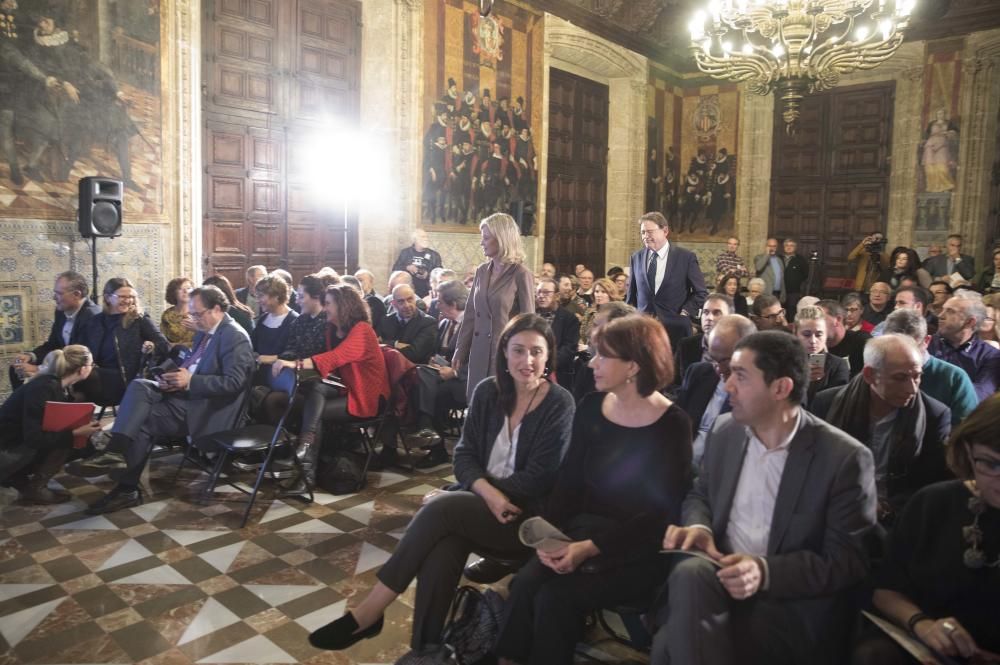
(253, 439)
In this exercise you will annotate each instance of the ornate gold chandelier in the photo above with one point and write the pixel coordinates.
(795, 46)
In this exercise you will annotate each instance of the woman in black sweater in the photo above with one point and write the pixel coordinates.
(516, 430)
(941, 578)
(622, 483)
(21, 437)
(118, 337)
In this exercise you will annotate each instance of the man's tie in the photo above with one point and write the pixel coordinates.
(195, 357)
(651, 271)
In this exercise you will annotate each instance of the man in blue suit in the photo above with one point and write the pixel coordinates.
(666, 280)
(204, 395)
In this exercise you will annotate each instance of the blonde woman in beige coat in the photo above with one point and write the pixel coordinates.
(501, 289)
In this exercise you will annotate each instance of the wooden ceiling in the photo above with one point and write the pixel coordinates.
(658, 28)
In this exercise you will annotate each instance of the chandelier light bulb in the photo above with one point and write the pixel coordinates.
(748, 49)
(778, 50)
(861, 33)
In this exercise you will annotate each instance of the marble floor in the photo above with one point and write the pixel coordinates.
(175, 581)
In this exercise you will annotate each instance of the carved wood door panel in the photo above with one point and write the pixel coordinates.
(830, 179)
(276, 72)
(576, 200)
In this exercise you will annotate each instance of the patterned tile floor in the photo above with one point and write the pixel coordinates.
(174, 581)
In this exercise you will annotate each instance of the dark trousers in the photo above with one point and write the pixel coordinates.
(147, 413)
(700, 623)
(544, 615)
(322, 402)
(435, 397)
(434, 550)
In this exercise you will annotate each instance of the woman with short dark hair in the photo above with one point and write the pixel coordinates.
(176, 323)
(516, 429)
(623, 481)
(941, 577)
(240, 313)
(272, 328)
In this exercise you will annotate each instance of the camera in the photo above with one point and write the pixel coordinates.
(876, 245)
(814, 255)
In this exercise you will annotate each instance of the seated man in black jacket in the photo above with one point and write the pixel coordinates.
(703, 394)
(694, 349)
(883, 408)
(565, 327)
(73, 312)
(408, 329)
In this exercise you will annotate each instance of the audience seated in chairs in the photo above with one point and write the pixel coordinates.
(840, 340)
(884, 408)
(248, 294)
(238, 311)
(957, 341)
(729, 285)
(625, 475)
(376, 304)
(854, 307)
(271, 331)
(694, 349)
(583, 373)
(69, 325)
(175, 322)
(782, 503)
(568, 299)
(516, 430)
(293, 297)
(768, 314)
(941, 579)
(703, 395)
(904, 264)
(30, 456)
(878, 306)
(407, 329)
(205, 395)
(988, 328)
(603, 292)
(119, 337)
(565, 328)
(439, 387)
(828, 371)
(355, 356)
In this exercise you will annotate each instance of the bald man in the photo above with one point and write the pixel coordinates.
(410, 331)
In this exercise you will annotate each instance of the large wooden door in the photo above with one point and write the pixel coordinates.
(576, 199)
(276, 73)
(830, 179)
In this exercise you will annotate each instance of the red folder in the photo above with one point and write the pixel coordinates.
(62, 416)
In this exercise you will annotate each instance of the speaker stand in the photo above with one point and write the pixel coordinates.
(93, 262)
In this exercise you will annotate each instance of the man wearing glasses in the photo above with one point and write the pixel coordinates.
(565, 328)
(204, 395)
(768, 314)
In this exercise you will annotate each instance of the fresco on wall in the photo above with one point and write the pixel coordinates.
(691, 170)
(937, 152)
(483, 75)
(79, 96)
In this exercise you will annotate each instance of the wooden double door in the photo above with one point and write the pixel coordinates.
(830, 179)
(277, 75)
(576, 198)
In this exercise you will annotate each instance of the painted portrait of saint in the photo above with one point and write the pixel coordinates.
(939, 153)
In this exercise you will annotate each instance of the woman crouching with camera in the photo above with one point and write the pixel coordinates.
(516, 430)
(623, 481)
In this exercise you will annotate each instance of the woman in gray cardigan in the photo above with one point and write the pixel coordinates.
(501, 289)
(516, 431)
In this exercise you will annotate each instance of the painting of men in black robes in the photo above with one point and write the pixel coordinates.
(79, 95)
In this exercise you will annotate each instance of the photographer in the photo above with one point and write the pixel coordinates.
(872, 259)
(419, 260)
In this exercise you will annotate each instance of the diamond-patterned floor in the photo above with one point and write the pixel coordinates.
(175, 582)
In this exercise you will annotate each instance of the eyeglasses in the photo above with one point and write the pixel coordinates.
(543, 292)
(123, 297)
(773, 317)
(988, 466)
(196, 314)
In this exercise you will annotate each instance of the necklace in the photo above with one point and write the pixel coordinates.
(973, 557)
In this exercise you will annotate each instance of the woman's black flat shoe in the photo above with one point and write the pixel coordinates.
(338, 635)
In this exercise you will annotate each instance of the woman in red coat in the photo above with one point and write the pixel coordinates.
(355, 356)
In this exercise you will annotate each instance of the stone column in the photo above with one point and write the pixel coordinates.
(182, 195)
(753, 181)
(626, 167)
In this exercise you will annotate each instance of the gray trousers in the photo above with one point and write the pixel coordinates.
(434, 550)
(701, 624)
(145, 414)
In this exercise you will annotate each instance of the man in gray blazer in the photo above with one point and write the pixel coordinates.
(771, 268)
(204, 395)
(781, 505)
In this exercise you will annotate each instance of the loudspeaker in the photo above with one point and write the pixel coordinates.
(100, 213)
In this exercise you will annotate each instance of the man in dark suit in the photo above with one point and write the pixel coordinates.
(703, 394)
(73, 312)
(943, 266)
(407, 329)
(781, 505)
(565, 328)
(884, 408)
(205, 395)
(665, 279)
(248, 295)
(694, 349)
(796, 272)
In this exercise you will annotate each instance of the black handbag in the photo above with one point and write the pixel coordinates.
(473, 625)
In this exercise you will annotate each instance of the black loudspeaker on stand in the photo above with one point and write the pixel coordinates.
(100, 212)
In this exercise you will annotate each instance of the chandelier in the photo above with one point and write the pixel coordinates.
(795, 47)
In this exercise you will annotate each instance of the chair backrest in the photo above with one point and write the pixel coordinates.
(290, 379)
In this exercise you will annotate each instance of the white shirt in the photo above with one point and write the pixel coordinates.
(501, 464)
(275, 320)
(661, 264)
(67, 329)
(708, 419)
(750, 517)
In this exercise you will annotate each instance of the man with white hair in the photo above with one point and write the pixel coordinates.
(957, 341)
(942, 381)
(419, 260)
(884, 408)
